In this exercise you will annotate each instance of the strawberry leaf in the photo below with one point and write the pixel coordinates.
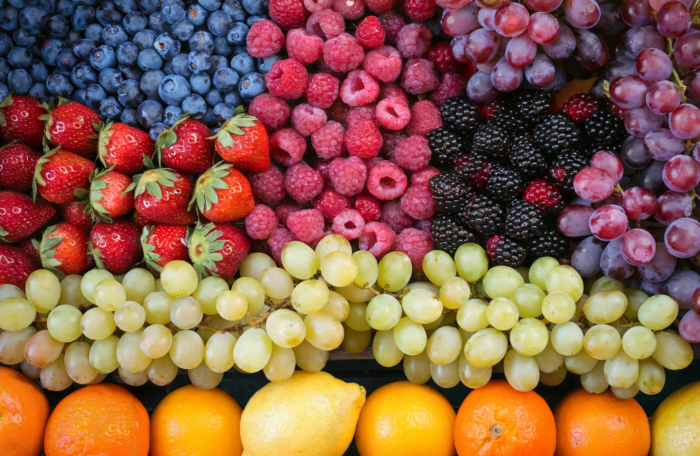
(97, 255)
(52, 263)
(147, 162)
(130, 188)
(80, 193)
(3, 233)
(51, 243)
(225, 139)
(154, 189)
(239, 110)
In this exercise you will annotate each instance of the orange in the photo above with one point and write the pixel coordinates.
(403, 419)
(23, 414)
(600, 425)
(194, 422)
(498, 420)
(98, 420)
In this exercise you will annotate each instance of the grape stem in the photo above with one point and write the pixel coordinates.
(286, 304)
(680, 84)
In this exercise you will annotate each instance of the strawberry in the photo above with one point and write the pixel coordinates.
(64, 248)
(218, 249)
(20, 216)
(125, 148)
(17, 163)
(162, 196)
(141, 221)
(77, 214)
(164, 243)
(223, 194)
(116, 246)
(186, 146)
(19, 120)
(30, 248)
(73, 126)
(62, 176)
(111, 194)
(15, 266)
(243, 141)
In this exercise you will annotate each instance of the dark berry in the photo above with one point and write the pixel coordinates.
(450, 192)
(556, 133)
(449, 232)
(460, 114)
(523, 220)
(504, 251)
(485, 215)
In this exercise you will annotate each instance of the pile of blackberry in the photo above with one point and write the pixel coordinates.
(507, 170)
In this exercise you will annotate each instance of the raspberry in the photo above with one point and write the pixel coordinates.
(264, 39)
(384, 63)
(419, 76)
(392, 23)
(425, 117)
(350, 10)
(348, 175)
(392, 91)
(288, 14)
(422, 177)
(303, 183)
(324, 167)
(363, 139)
(441, 55)
(268, 186)
(362, 113)
(287, 79)
(322, 90)
(329, 140)
(386, 181)
(393, 113)
(580, 107)
(314, 6)
(261, 222)
(359, 88)
(419, 10)
(395, 217)
(416, 244)
(338, 110)
(413, 40)
(380, 6)
(307, 120)
(277, 240)
(370, 33)
(287, 147)
(343, 53)
(303, 47)
(451, 85)
(306, 225)
(372, 162)
(377, 239)
(418, 202)
(424, 225)
(544, 195)
(272, 111)
(331, 203)
(392, 139)
(283, 210)
(327, 24)
(348, 224)
(368, 206)
(413, 154)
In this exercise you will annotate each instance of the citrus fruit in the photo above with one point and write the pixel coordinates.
(675, 426)
(104, 420)
(310, 414)
(601, 425)
(192, 422)
(23, 414)
(496, 419)
(406, 419)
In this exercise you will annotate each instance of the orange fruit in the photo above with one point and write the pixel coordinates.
(407, 420)
(498, 420)
(104, 420)
(601, 425)
(194, 422)
(23, 414)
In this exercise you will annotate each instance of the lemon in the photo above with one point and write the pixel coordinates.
(675, 426)
(310, 414)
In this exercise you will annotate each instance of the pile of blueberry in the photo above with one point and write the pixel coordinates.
(141, 62)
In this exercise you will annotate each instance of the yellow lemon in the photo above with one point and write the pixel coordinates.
(675, 426)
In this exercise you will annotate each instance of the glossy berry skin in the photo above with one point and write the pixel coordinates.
(162, 196)
(64, 248)
(116, 246)
(60, 174)
(111, 194)
(72, 127)
(218, 249)
(15, 265)
(19, 120)
(125, 148)
(162, 244)
(234, 196)
(77, 214)
(17, 163)
(186, 146)
(20, 216)
(243, 141)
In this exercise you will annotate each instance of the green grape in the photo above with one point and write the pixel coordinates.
(300, 260)
(253, 350)
(625, 393)
(594, 381)
(383, 312)
(12, 291)
(77, 362)
(12, 345)
(444, 345)
(157, 307)
(282, 363)
(529, 336)
(103, 355)
(528, 299)
(310, 296)
(658, 312)
(558, 307)
(218, 352)
(42, 349)
(357, 318)
(540, 269)
(501, 282)
(602, 342)
(580, 363)
(179, 278)
(155, 341)
(549, 360)
(486, 348)
(422, 306)
(395, 271)
(133, 379)
(207, 291)
(255, 263)
(70, 292)
(672, 351)
(130, 316)
(502, 314)
(90, 281)
(109, 294)
(204, 378)
(232, 305)
(187, 349)
(54, 377)
(16, 314)
(138, 283)
(427, 286)
(253, 292)
(339, 269)
(445, 375)
(417, 368)
(277, 283)
(367, 269)
(159, 285)
(286, 328)
(621, 371)
(337, 306)
(472, 262)
(29, 371)
(186, 312)
(129, 354)
(310, 358)
(521, 371)
(438, 266)
(384, 349)
(410, 336)
(332, 243)
(162, 371)
(97, 324)
(471, 376)
(565, 279)
(472, 315)
(63, 323)
(639, 342)
(323, 331)
(454, 293)
(436, 324)
(354, 294)
(605, 306)
(556, 378)
(652, 377)
(606, 283)
(43, 290)
(567, 338)
(355, 341)
(635, 299)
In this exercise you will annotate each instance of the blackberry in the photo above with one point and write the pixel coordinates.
(459, 113)
(604, 130)
(485, 215)
(550, 243)
(504, 183)
(474, 168)
(523, 221)
(445, 146)
(526, 158)
(525, 110)
(565, 167)
(450, 192)
(449, 233)
(556, 133)
(492, 139)
(505, 251)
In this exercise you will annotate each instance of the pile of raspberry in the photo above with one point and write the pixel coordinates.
(355, 92)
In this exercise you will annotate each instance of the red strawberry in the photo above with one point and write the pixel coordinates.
(17, 163)
(73, 126)
(186, 146)
(77, 214)
(30, 248)
(162, 196)
(116, 246)
(62, 176)
(141, 221)
(20, 216)
(15, 265)
(164, 243)
(64, 248)
(125, 148)
(19, 120)
(112, 194)
(223, 194)
(218, 249)
(243, 141)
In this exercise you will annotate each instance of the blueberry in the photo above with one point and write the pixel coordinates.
(213, 97)
(194, 105)
(9, 18)
(94, 33)
(237, 35)
(94, 94)
(134, 22)
(72, 37)
(182, 30)
(19, 81)
(209, 121)
(171, 114)
(225, 79)
(264, 64)
(197, 15)
(157, 23)
(156, 130)
(167, 46)
(167, 67)
(107, 14)
(83, 16)
(130, 71)
(37, 91)
(129, 117)
(149, 113)
(255, 7)
(114, 35)
(65, 7)
(145, 39)
(83, 48)
(5, 44)
(110, 108)
(110, 79)
(19, 57)
(24, 38)
(218, 23)
(180, 66)
(222, 112)
(198, 61)
(150, 82)
(234, 9)
(47, 5)
(173, 11)
(83, 75)
(149, 6)
(66, 59)
(4, 69)
(149, 59)
(251, 85)
(129, 93)
(243, 63)
(233, 98)
(217, 62)
(59, 85)
(103, 57)
(221, 46)
(58, 27)
(200, 83)
(78, 95)
(211, 5)
(202, 41)
(127, 6)
(49, 51)
(173, 89)
(250, 20)
(127, 53)
(38, 71)
(22, 3)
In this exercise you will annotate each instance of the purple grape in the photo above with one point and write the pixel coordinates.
(652, 288)
(613, 264)
(640, 121)
(573, 220)
(504, 77)
(673, 19)
(582, 14)
(652, 178)
(563, 47)
(622, 66)
(634, 153)
(662, 145)
(541, 71)
(686, 50)
(660, 268)
(681, 287)
(640, 38)
(682, 238)
(480, 88)
(586, 257)
(637, 12)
